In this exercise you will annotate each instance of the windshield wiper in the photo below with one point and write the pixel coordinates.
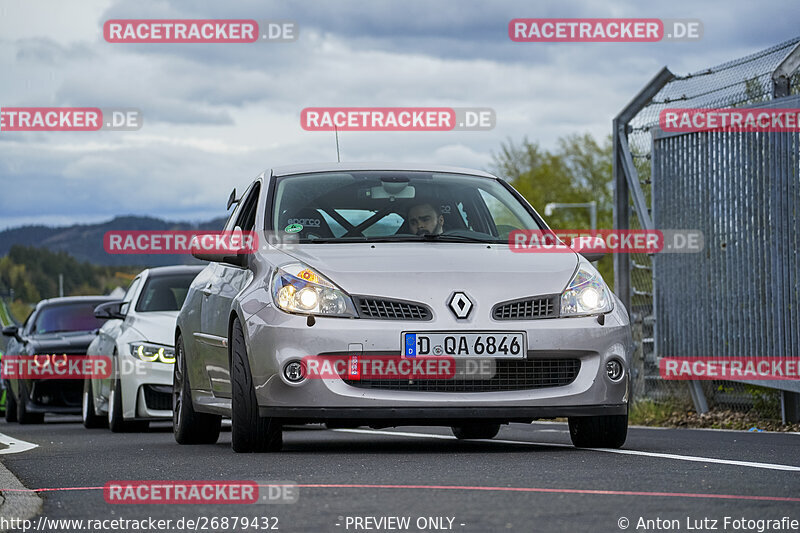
(459, 238)
(408, 238)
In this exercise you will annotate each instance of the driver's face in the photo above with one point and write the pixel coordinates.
(422, 219)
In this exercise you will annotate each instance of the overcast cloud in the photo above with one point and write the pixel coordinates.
(217, 115)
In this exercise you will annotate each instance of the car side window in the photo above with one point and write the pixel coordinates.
(129, 295)
(28, 324)
(247, 216)
(233, 219)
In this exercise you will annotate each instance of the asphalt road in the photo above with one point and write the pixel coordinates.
(528, 479)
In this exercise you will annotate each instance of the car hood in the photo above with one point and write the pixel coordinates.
(421, 271)
(155, 326)
(73, 342)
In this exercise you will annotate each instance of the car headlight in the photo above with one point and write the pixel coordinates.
(586, 294)
(153, 352)
(298, 288)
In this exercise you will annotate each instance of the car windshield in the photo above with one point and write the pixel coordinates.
(164, 293)
(67, 317)
(378, 206)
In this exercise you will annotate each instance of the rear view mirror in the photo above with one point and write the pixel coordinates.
(109, 310)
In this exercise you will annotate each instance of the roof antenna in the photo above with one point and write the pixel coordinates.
(336, 130)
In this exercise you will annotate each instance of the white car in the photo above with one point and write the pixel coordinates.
(139, 338)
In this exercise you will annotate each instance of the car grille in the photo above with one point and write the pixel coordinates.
(58, 392)
(527, 308)
(158, 397)
(510, 375)
(386, 309)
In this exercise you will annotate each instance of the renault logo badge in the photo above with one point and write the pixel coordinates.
(460, 305)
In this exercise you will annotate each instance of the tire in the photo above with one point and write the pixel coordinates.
(91, 419)
(476, 431)
(249, 432)
(23, 415)
(11, 404)
(189, 426)
(116, 423)
(598, 431)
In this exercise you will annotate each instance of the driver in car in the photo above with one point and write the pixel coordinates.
(425, 219)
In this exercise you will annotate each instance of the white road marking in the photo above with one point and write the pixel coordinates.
(15, 445)
(690, 458)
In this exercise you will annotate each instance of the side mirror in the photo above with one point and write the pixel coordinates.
(109, 310)
(12, 331)
(239, 260)
(593, 256)
(232, 257)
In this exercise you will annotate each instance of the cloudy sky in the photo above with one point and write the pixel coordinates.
(215, 115)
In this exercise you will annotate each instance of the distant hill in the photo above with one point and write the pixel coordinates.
(84, 242)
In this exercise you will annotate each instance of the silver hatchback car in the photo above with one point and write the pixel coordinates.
(395, 264)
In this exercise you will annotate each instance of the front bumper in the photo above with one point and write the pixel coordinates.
(274, 338)
(145, 387)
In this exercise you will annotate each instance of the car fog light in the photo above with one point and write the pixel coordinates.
(614, 370)
(294, 372)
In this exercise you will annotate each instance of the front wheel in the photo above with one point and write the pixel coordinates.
(249, 431)
(90, 417)
(189, 426)
(23, 415)
(116, 422)
(11, 404)
(609, 431)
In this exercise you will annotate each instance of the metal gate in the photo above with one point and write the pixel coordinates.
(740, 295)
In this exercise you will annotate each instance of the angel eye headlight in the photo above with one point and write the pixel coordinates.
(586, 294)
(297, 288)
(150, 352)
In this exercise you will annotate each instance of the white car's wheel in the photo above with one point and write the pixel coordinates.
(90, 418)
(116, 422)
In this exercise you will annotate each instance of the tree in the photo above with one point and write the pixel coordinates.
(578, 170)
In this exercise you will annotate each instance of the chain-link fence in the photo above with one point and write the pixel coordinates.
(734, 187)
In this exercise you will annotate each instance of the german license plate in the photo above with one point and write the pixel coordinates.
(472, 344)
